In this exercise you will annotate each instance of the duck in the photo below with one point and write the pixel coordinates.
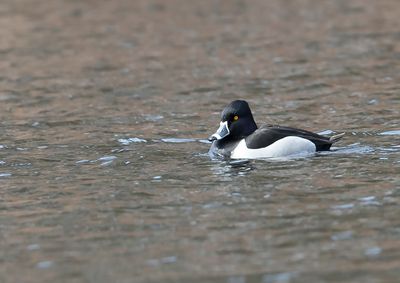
(239, 137)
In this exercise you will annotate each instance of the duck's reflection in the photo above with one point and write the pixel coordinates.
(232, 168)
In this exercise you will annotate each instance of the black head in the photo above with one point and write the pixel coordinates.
(237, 122)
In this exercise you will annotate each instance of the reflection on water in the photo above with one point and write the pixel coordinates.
(232, 168)
(104, 114)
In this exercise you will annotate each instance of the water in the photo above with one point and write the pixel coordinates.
(104, 172)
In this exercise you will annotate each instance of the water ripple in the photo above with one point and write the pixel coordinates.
(176, 140)
(131, 140)
(4, 175)
(390, 133)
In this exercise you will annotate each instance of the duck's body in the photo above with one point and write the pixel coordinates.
(239, 137)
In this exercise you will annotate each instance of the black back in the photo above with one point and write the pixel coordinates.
(268, 134)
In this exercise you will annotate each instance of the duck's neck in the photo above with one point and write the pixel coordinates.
(250, 129)
(245, 132)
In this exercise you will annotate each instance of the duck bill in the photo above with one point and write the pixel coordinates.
(222, 132)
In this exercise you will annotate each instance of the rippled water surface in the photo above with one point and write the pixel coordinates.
(105, 107)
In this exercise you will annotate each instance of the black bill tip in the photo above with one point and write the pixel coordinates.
(212, 138)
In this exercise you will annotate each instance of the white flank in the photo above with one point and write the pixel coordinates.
(281, 148)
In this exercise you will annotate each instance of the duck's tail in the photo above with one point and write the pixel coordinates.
(336, 138)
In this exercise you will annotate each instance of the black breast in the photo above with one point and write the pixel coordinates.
(222, 148)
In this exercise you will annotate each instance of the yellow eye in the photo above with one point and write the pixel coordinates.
(235, 118)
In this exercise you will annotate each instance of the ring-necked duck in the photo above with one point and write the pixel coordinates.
(239, 137)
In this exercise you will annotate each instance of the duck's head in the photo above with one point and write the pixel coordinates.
(237, 122)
